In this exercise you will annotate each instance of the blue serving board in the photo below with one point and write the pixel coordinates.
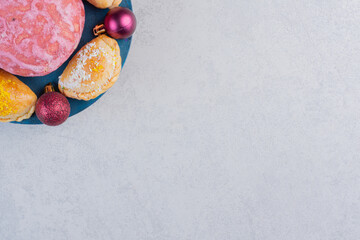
(93, 17)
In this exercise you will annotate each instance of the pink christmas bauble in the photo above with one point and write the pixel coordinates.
(120, 23)
(37, 36)
(52, 108)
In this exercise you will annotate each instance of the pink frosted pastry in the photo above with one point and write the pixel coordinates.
(37, 36)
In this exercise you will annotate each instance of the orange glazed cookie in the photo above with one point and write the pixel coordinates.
(17, 101)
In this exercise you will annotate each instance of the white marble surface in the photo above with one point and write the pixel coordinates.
(233, 119)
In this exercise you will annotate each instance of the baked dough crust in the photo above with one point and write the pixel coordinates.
(93, 70)
(17, 101)
(105, 3)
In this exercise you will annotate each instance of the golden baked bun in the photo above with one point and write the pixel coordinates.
(105, 3)
(17, 101)
(93, 70)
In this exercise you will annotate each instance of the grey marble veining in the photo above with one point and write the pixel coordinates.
(232, 120)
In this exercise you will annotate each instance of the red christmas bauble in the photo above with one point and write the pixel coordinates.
(52, 108)
(120, 23)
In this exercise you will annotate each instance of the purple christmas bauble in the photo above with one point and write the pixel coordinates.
(52, 108)
(120, 23)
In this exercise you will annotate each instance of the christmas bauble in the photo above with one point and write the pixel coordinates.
(52, 108)
(120, 23)
(37, 36)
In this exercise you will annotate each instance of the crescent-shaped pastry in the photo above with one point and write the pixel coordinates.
(93, 70)
(105, 3)
(17, 101)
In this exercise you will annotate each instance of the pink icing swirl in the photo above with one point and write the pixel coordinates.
(37, 36)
